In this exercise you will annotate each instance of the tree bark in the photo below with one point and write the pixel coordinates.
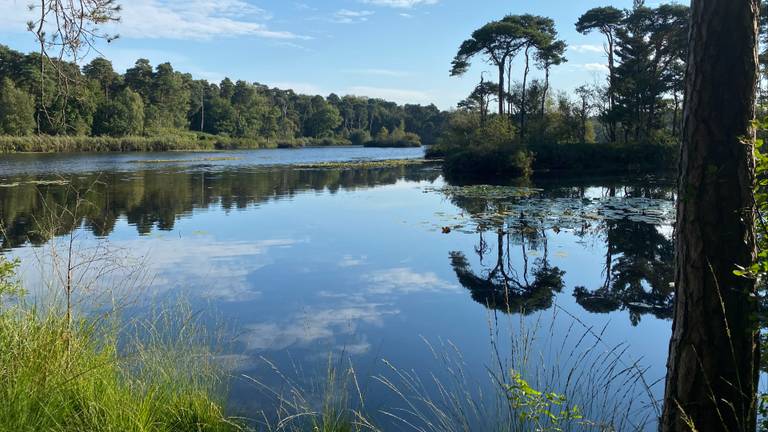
(713, 361)
(501, 88)
(611, 84)
(546, 90)
(525, 84)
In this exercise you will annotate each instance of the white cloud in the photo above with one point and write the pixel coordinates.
(594, 67)
(346, 16)
(299, 87)
(205, 267)
(405, 281)
(306, 328)
(403, 4)
(401, 96)
(406, 15)
(586, 48)
(175, 19)
(15, 13)
(351, 261)
(379, 72)
(395, 95)
(196, 19)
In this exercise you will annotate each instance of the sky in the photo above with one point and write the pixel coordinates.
(400, 50)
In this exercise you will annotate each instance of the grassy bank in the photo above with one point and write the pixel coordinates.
(156, 143)
(96, 375)
(52, 379)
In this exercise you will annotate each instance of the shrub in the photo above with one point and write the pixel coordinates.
(407, 139)
(359, 137)
(17, 110)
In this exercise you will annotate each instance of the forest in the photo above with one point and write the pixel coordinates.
(160, 102)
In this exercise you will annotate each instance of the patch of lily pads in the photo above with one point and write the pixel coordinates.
(521, 208)
(362, 164)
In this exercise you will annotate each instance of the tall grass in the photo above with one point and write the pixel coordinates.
(330, 403)
(95, 374)
(542, 381)
(55, 379)
(162, 141)
(535, 380)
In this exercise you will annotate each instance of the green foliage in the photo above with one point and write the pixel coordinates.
(121, 116)
(359, 137)
(488, 150)
(602, 19)
(323, 121)
(759, 269)
(56, 379)
(93, 376)
(542, 411)
(94, 102)
(9, 285)
(162, 141)
(604, 157)
(17, 110)
(398, 138)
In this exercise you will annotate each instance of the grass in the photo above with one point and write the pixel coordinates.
(590, 386)
(170, 140)
(95, 376)
(53, 379)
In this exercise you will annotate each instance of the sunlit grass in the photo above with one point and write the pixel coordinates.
(87, 379)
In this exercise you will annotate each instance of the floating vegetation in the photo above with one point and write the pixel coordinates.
(207, 159)
(485, 191)
(362, 164)
(529, 209)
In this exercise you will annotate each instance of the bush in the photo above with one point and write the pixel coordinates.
(17, 110)
(604, 157)
(359, 137)
(329, 142)
(408, 139)
(487, 161)
(471, 150)
(475, 150)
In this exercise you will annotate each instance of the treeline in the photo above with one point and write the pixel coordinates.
(49, 97)
(632, 120)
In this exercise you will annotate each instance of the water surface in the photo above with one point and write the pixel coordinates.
(367, 264)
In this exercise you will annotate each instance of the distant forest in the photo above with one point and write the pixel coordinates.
(95, 100)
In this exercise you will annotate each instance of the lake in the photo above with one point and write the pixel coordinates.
(375, 266)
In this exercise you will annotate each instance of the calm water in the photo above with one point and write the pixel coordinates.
(369, 264)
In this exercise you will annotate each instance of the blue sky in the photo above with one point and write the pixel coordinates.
(395, 49)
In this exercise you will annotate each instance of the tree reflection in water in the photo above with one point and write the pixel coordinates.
(156, 199)
(637, 269)
(503, 288)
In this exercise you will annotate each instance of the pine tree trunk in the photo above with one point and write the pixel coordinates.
(501, 89)
(522, 103)
(714, 355)
(611, 86)
(546, 90)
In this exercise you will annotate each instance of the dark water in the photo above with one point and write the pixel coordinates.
(368, 264)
